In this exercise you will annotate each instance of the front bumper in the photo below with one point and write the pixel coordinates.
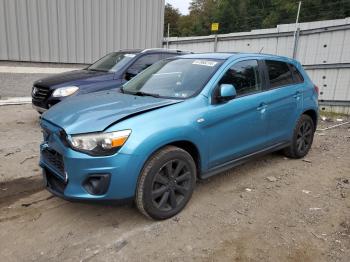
(67, 179)
(42, 105)
(38, 108)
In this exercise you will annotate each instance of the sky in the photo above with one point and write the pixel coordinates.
(182, 5)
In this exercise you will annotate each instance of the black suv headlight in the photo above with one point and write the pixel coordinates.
(99, 144)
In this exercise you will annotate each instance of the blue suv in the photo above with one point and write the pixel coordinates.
(111, 71)
(182, 119)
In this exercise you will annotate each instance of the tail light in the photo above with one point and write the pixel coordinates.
(317, 90)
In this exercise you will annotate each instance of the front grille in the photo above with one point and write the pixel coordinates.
(40, 93)
(54, 183)
(54, 159)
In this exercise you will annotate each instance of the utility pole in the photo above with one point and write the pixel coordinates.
(167, 38)
(215, 28)
(296, 33)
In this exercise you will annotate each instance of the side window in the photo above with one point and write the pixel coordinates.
(244, 76)
(298, 78)
(143, 62)
(279, 73)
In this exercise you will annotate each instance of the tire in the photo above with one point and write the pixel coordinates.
(166, 183)
(303, 136)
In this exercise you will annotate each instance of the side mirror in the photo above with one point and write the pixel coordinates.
(227, 92)
(129, 75)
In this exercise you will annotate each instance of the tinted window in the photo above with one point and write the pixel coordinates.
(279, 73)
(298, 78)
(111, 62)
(244, 76)
(143, 62)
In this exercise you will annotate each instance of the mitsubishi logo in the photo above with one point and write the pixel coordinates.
(35, 90)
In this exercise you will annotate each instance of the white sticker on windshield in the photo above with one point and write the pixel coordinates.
(129, 55)
(204, 63)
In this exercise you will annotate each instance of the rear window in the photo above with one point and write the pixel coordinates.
(298, 78)
(279, 73)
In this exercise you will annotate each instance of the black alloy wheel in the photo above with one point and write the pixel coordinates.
(171, 185)
(166, 183)
(303, 136)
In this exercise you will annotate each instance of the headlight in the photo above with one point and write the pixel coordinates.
(99, 144)
(65, 91)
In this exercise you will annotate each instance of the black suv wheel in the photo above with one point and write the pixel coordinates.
(302, 138)
(166, 183)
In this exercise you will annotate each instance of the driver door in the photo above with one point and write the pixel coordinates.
(237, 127)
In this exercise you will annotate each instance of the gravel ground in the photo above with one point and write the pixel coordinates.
(270, 209)
(20, 85)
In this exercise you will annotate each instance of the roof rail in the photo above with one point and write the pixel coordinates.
(163, 49)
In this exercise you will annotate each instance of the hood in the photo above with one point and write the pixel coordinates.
(70, 77)
(96, 111)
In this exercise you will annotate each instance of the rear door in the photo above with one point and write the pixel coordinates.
(284, 101)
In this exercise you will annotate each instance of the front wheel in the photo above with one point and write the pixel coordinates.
(303, 136)
(166, 183)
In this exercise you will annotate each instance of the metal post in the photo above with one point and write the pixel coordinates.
(167, 38)
(216, 43)
(296, 41)
(296, 31)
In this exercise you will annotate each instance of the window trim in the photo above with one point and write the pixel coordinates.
(293, 74)
(261, 74)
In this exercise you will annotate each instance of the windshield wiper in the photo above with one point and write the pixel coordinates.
(140, 93)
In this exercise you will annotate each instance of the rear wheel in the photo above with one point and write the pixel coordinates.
(166, 183)
(302, 138)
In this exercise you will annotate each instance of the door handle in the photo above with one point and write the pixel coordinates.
(297, 94)
(261, 107)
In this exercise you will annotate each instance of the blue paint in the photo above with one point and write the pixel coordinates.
(221, 132)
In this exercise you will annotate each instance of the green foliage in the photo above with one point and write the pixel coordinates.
(171, 16)
(246, 15)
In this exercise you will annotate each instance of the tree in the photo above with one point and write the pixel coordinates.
(171, 16)
(245, 15)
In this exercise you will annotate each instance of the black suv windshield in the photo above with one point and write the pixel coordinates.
(111, 62)
(173, 78)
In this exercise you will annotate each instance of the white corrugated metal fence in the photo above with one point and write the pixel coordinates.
(323, 49)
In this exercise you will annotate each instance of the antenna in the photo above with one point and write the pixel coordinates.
(261, 50)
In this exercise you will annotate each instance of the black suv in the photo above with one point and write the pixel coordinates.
(111, 71)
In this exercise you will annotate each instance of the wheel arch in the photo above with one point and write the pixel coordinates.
(189, 146)
(313, 114)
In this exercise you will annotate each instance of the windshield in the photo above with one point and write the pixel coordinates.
(173, 78)
(111, 62)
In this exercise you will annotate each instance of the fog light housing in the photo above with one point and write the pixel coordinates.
(97, 184)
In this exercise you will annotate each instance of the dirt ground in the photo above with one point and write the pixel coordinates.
(270, 209)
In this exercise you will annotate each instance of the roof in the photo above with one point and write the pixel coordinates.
(225, 56)
(154, 50)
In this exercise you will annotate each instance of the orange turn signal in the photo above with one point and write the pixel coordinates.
(118, 142)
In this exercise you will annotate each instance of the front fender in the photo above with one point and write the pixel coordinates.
(145, 146)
